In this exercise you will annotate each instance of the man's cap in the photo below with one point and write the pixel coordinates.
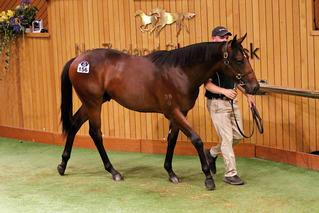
(220, 31)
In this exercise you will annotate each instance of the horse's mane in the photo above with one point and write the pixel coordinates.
(186, 56)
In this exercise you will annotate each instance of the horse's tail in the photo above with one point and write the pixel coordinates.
(66, 98)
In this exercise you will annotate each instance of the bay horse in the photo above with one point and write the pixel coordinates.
(164, 82)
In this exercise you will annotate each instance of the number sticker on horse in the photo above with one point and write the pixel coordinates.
(83, 67)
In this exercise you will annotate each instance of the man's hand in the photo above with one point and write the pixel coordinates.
(230, 93)
(251, 100)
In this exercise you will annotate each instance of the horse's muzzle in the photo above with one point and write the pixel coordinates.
(252, 88)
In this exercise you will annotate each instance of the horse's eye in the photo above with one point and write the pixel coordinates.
(240, 62)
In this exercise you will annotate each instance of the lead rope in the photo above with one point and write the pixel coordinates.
(256, 118)
(238, 127)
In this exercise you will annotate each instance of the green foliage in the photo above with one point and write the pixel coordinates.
(12, 25)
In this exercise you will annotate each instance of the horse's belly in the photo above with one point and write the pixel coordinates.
(133, 84)
(137, 104)
(135, 99)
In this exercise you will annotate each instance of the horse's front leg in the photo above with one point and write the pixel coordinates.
(155, 27)
(144, 28)
(186, 128)
(171, 139)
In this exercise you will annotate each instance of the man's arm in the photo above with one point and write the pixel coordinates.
(211, 87)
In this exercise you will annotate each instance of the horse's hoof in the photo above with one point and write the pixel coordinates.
(61, 169)
(117, 177)
(174, 179)
(209, 183)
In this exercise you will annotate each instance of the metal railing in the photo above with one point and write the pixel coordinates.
(267, 88)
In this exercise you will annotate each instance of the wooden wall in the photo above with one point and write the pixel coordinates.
(283, 30)
(316, 14)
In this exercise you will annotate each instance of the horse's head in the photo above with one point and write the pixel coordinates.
(237, 65)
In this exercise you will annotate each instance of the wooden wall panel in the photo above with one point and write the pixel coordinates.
(10, 93)
(316, 14)
(289, 56)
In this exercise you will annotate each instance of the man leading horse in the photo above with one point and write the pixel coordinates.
(220, 89)
(165, 82)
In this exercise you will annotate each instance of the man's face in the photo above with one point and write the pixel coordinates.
(220, 38)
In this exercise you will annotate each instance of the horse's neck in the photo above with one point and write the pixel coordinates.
(200, 74)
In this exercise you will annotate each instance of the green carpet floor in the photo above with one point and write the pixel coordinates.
(29, 182)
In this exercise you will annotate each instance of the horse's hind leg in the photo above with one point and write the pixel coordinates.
(78, 119)
(96, 134)
(171, 139)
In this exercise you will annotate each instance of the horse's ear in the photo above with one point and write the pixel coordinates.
(240, 40)
(234, 42)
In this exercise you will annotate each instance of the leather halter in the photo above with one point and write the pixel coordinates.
(238, 75)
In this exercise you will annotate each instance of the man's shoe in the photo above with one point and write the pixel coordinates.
(235, 180)
(211, 161)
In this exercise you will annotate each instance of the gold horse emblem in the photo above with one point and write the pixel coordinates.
(159, 18)
(147, 21)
